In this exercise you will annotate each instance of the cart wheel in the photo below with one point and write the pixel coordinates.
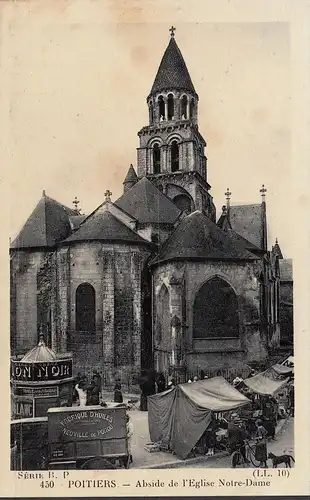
(98, 463)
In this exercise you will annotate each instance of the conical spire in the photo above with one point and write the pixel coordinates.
(172, 72)
(131, 179)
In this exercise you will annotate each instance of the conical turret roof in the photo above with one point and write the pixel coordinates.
(172, 72)
(198, 238)
(131, 176)
(48, 224)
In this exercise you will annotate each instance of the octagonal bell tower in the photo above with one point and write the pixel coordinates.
(172, 150)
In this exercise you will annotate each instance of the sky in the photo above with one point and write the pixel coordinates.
(76, 83)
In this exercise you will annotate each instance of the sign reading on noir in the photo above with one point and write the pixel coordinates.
(41, 372)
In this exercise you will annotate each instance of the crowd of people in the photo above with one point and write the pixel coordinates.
(257, 422)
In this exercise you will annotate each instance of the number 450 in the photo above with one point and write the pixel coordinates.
(47, 484)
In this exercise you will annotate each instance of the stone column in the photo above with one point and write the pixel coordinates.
(54, 303)
(176, 322)
(135, 273)
(108, 311)
(63, 299)
(188, 108)
(149, 161)
(164, 158)
(166, 108)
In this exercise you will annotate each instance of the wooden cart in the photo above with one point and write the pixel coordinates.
(91, 437)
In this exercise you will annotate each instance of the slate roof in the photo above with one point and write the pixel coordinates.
(48, 224)
(148, 204)
(104, 226)
(172, 72)
(286, 269)
(247, 221)
(76, 220)
(196, 238)
(131, 175)
(238, 239)
(224, 224)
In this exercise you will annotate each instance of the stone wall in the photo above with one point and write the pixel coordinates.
(24, 269)
(114, 270)
(200, 353)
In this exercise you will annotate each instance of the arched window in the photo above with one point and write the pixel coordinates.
(184, 108)
(183, 203)
(174, 156)
(215, 313)
(156, 159)
(162, 315)
(192, 108)
(170, 107)
(161, 108)
(85, 308)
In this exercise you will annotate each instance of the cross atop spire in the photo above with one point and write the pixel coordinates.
(76, 208)
(228, 195)
(172, 30)
(108, 195)
(263, 192)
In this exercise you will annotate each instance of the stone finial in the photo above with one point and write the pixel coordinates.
(43, 193)
(263, 192)
(108, 195)
(172, 30)
(76, 207)
(228, 195)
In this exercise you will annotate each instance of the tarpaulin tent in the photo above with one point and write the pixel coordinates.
(179, 417)
(269, 382)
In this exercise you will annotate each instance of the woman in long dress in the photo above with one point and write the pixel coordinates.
(118, 396)
(129, 430)
(261, 444)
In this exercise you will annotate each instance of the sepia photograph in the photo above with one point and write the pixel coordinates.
(150, 255)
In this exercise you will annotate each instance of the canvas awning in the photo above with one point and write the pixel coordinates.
(269, 382)
(179, 417)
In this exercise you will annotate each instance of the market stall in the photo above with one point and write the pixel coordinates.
(179, 417)
(270, 389)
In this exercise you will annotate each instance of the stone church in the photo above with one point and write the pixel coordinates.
(151, 279)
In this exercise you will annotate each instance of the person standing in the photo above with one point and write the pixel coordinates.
(118, 396)
(82, 392)
(161, 383)
(129, 433)
(261, 444)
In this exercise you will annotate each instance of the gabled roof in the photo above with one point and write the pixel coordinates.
(172, 72)
(48, 224)
(102, 225)
(148, 204)
(196, 238)
(131, 175)
(247, 220)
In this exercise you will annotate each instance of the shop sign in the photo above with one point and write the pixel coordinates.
(41, 372)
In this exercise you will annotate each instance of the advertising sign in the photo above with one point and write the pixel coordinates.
(86, 424)
(40, 372)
